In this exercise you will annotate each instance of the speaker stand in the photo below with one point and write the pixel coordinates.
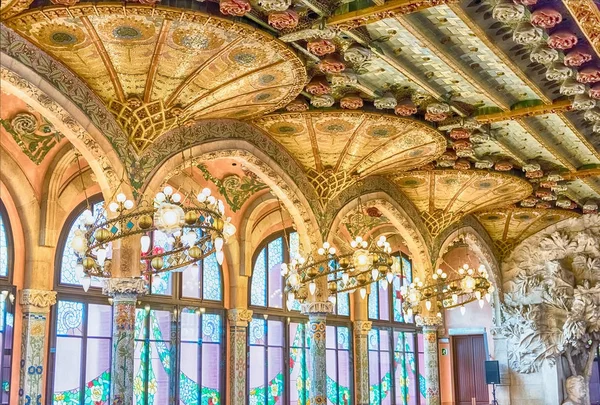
(494, 401)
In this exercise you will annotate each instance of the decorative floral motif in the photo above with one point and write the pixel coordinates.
(570, 87)
(558, 72)
(435, 117)
(462, 164)
(595, 91)
(583, 102)
(503, 166)
(544, 54)
(589, 75)
(577, 57)
(562, 40)
(386, 102)
(236, 8)
(460, 133)
(545, 17)
(318, 86)
(357, 54)
(529, 202)
(299, 104)
(405, 108)
(534, 174)
(332, 64)
(351, 102)
(508, 12)
(526, 2)
(34, 138)
(323, 101)
(274, 5)
(283, 19)
(525, 33)
(320, 47)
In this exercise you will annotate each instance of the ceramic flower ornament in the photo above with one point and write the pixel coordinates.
(562, 40)
(577, 57)
(235, 8)
(545, 17)
(320, 47)
(283, 19)
(405, 108)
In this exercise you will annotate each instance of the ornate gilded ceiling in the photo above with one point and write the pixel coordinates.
(153, 71)
(466, 106)
(336, 147)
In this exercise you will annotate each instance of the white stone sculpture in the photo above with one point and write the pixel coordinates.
(552, 302)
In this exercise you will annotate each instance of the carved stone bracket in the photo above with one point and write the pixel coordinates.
(239, 316)
(37, 300)
(429, 321)
(125, 286)
(362, 327)
(317, 308)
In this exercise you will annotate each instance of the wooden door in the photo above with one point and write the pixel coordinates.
(469, 370)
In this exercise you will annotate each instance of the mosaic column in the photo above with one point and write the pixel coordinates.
(430, 325)
(36, 306)
(317, 313)
(361, 361)
(124, 292)
(238, 330)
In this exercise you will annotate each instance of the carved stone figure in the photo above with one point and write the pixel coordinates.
(576, 391)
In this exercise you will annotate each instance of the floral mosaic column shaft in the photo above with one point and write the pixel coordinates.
(361, 363)
(36, 306)
(317, 313)
(124, 292)
(238, 330)
(430, 325)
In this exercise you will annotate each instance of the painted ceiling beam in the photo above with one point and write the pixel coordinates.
(582, 174)
(358, 18)
(556, 107)
(587, 16)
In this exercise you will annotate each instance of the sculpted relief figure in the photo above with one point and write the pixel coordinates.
(576, 391)
(552, 302)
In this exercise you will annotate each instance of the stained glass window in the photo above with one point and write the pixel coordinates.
(3, 248)
(68, 268)
(271, 339)
(82, 353)
(339, 371)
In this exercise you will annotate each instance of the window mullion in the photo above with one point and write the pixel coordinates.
(83, 364)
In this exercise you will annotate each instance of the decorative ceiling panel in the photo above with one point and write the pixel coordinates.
(354, 142)
(450, 35)
(516, 224)
(425, 62)
(458, 191)
(153, 70)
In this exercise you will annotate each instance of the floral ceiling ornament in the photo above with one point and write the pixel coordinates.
(235, 189)
(590, 207)
(36, 137)
(324, 101)
(318, 86)
(320, 47)
(592, 115)
(387, 101)
(484, 164)
(525, 34)
(462, 164)
(557, 72)
(503, 166)
(237, 8)
(405, 108)
(577, 57)
(595, 91)
(508, 12)
(583, 102)
(299, 104)
(282, 20)
(274, 5)
(589, 74)
(332, 63)
(357, 54)
(571, 87)
(460, 133)
(435, 117)
(351, 102)
(346, 78)
(545, 17)
(544, 54)
(562, 39)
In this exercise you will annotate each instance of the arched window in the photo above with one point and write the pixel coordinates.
(278, 338)
(179, 341)
(394, 345)
(7, 300)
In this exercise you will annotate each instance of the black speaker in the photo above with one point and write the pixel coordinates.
(492, 372)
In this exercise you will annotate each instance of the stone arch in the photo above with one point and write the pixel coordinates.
(400, 218)
(281, 184)
(67, 118)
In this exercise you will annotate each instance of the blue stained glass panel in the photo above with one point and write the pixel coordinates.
(373, 339)
(343, 304)
(3, 249)
(374, 302)
(294, 245)
(397, 300)
(258, 292)
(68, 273)
(211, 328)
(69, 318)
(343, 338)
(256, 329)
(211, 277)
(407, 270)
(161, 283)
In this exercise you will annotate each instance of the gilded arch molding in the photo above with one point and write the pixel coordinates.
(268, 169)
(103, 162)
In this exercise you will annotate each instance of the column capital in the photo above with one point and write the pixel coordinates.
(239, 316)
(317, 307)
(37, 300)
(428, 321)
(127, 286)
(362, 327)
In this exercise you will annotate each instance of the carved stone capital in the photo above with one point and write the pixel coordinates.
(362, 327)
(124, 286)
(318, 307)
(37, 300)
(239, 316)
(428, 321)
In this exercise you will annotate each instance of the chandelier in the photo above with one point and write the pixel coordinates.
(447, 290)
(195, 227)
(362, 264)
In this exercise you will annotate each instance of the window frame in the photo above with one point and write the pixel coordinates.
(6, 284)
(175, 300)
(288, 316)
